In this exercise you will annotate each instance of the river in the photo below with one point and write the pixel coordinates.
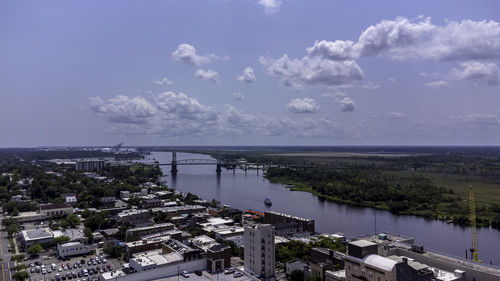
(248, 190)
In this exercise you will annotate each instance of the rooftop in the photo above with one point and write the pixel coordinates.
(362, 243)
(379, 262)
(52, 206)
(288, 216)
(37, 233)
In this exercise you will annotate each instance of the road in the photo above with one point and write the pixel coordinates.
(4, 254)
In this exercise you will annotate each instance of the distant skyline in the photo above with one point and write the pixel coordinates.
(249, 72)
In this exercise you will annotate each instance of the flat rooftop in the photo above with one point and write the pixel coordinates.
(362, 243)
(37, 233)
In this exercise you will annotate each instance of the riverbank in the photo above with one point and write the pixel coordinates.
(441, 215)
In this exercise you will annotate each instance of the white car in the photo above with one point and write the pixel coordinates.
(185, 274)
(237, 274)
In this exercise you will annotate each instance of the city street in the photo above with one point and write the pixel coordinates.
(5, 275)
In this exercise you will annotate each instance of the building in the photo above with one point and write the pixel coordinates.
(151, 203)
(177, 210)
(72, 249)
(218, 257)
(30, 237)
(363, 264)
(124, 194)
(335, 275)
(56, 209)
(23, 217)
(70, 198)
(108, 201)
(134, 217)
(144, 245)
(286, 224)
(296, 265)
(259, 250)
(149, 230)
(90, 165)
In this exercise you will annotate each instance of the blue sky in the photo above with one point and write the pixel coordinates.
(249, 72)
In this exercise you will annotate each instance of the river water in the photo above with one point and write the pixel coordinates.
(248, 190)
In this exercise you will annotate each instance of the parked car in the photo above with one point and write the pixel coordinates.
(184, 274)
(229, 270)
(237, 274)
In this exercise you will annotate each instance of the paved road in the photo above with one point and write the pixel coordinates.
(5, 275)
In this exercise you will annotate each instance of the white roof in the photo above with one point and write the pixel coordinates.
(379, 262)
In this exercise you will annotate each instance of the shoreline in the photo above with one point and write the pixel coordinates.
(299, 186)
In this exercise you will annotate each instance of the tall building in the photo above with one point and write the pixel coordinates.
(259, 250)
(90, 165)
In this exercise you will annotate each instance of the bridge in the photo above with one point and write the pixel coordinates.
(205, 162)
(200, 162)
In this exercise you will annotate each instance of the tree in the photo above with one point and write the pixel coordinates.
(115, 251)
(297, 275)
(20, 276)
(34, 249)
(18, 258)
(88, 233)
(72, 220)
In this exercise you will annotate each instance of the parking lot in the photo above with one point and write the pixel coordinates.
(38, 276)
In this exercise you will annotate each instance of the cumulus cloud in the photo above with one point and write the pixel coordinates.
(305, 105)
(478, 119)
(123, 109)
(210, 75)
(247, 76)
(172, 114)
(403, 38)
(299, 73)
(437, 84)
(238, 96)
(394, 115)
(371, 86)
(334, 95)
(346, 104)
(187, 54)
(270, 6)
(480, 73)
(163, 81)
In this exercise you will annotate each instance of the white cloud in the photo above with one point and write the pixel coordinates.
(371, 86)
(392, 79)
(346, 104)
(478, 72)
(404, 39)
(270, 6)
(394, 115)
(299, 73)
(429, 75)
(305, 105)
(238, 96)
(334, 95)
(437, 84)
(172, 114)
(123, 109)
(163, 81)
(247, 76)
(479, 119)
(187, 54)
(209, 74)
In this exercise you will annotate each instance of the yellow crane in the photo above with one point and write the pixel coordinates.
(472, 206)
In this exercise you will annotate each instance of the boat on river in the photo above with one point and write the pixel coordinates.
(268, 202)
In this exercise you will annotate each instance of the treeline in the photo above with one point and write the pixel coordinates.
(410, 196)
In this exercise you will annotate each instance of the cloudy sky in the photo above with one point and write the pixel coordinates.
(249, 72)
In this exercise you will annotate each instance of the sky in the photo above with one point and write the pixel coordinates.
(249, 72)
